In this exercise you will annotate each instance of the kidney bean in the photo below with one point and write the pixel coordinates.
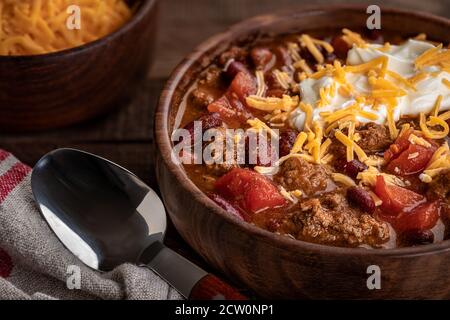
(361, 198)
(283, 55)
(416, 237)
(261, 56)
(210, 120)
(287, 140)
(234, 68)
(340, 46)
(351, 168)
(375, 36)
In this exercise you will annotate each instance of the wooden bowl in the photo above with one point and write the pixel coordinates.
(275, 266)
(62, 88)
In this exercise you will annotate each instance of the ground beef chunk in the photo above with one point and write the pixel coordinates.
(374, 138)
(212, 77)
(330, 219)
(201, 98)
(439, 189)
(208, 86)
(287, 140)
(297, 173)
(219, 168)
(236, 53)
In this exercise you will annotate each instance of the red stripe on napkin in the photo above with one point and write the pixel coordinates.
(3, 155)
(6, 265)
(12, 178)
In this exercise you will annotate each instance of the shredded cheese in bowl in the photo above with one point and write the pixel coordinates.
(378, 84)
(31, 27)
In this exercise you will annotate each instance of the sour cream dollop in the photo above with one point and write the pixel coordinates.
(401, 60)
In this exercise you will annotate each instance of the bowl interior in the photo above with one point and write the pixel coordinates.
(309, 19)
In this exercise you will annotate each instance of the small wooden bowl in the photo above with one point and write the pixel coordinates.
(275, 266)
(62, 88)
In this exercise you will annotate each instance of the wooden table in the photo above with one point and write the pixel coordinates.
(125, 136)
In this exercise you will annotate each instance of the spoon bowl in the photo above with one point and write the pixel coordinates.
(104, 214)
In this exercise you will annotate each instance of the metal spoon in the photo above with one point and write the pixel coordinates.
(107, 216)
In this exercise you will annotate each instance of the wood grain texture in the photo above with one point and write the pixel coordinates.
(54, 90)
(212, 288)
(275, 266)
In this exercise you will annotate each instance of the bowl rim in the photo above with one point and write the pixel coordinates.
(146, 6)
(283, 242)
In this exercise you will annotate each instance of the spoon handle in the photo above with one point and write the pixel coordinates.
(212, 288)
(188, 279)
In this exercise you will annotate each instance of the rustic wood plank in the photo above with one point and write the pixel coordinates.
(130, 122)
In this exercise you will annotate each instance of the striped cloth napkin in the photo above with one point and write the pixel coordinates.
(35, 265)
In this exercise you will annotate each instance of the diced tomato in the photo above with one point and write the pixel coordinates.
(243, 85)
(405, 210)
(411, 161)
(232, 111)
(232, 106)
(396, 199)
(423, 217)
(252, 191)
(401, 144)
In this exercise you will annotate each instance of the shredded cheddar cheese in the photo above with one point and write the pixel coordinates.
(293, 50)
(353, 38)
(343, 179)
(433, 56)
(386, 90)
(369, 178)
(347, 142)
(261, 84)
(439, 164)
(270, 104)
(299, 142)
(446, 82)
(283, 79)
(433, 121)
(31, 27)
(376, 199)
(257, 124)
(419, 141)
(301, 64)
(307, 41)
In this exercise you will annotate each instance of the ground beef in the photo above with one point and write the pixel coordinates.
(201, 98)
(374, 138)
(206, 92)
(236, 53)
(331, 220)
(219, 169)
(212, 77)
(311, 179)
(439, 188)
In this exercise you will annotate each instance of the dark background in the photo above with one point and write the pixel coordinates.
(125, 136)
